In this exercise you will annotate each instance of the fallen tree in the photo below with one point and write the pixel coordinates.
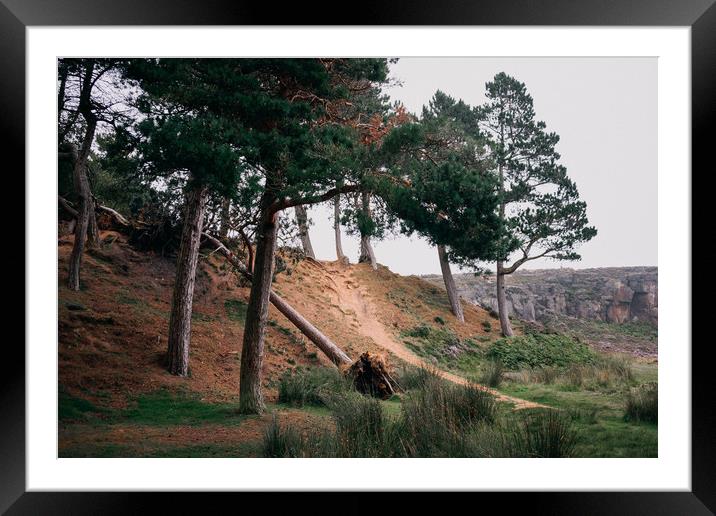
(333, 352)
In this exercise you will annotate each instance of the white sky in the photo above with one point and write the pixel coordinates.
(604, 110)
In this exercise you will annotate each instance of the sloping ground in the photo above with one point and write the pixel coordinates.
(112, 334)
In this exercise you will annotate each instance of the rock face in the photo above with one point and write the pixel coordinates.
(614, 294)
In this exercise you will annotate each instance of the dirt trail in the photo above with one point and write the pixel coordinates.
(356, 302)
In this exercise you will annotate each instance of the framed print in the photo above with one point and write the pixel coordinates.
(418, 251)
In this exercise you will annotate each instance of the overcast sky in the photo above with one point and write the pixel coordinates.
(604, 110)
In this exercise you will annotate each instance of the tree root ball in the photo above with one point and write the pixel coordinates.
(370, 376)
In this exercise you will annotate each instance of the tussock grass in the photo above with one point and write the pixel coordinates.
(492, 373)
(282, 441)
(311, 386)
(642, 404)
(436, 419)
(543, 433)
(411, 377)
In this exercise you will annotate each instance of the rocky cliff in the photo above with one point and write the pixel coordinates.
(614, 294)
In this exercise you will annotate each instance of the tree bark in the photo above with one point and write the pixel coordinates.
(225, 213)
(302, 220)
(92, 227)
(452, 293)
(337, 227)
(250, 396)
(80, 230)
(182, 299)
(332, 351)
(366, 248)
(505, 325)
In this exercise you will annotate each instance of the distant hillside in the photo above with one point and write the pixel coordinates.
(610, 294)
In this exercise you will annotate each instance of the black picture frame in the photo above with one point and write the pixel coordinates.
(16, 15)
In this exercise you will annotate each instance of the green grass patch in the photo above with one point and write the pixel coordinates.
(442, 347)
(537, 350)
(164, 408)
(599, 418)
(235, 310)
(72, 408)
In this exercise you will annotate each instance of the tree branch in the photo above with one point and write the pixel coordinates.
(312, 199)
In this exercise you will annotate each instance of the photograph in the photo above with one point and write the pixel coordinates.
(357, 257)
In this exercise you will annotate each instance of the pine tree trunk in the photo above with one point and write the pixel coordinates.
(366, 248)
(250, 397)
(85, 207)
(225, 214)
(502, 303)
(337, 227)
(180, 318)
(92, 228)
(302, 220)
(452, 293)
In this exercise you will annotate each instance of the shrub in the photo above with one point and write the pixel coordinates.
(492, 372)
(486, 325)
(310, 386)
(642, 404)
(537, 350)
(439, 320)
(421, 332)
(543, 433)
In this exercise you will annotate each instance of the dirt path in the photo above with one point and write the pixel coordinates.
(356, 302)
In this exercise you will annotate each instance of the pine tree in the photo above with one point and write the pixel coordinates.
(439, 184)
(540, 204)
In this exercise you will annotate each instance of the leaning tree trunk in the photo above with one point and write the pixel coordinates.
(505, 325)
(452, 293)
(366, 248)
(302, 220)
(337, 227)
(336, 354)
(250, 397)
(332, 351)
(180, 319)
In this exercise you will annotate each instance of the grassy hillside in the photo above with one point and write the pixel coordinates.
(116, 399)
